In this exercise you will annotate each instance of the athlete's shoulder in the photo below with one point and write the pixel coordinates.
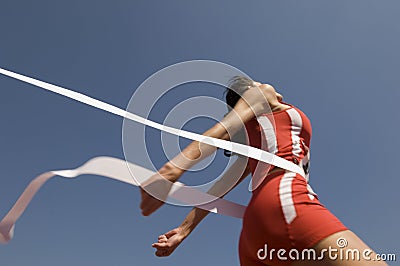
(300, 111)
(292, 106)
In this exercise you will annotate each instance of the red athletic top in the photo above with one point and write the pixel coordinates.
(285, 133)
(284, 212)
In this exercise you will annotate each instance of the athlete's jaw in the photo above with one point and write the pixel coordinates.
(278, 95)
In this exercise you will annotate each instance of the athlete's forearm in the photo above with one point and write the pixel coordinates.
(219, 189)
(195, 152)
(253, 103)
(191, 221)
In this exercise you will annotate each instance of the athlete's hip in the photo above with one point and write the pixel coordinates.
(282, 194)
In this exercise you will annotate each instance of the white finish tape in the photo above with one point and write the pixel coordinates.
(119, 170)
(237, 148)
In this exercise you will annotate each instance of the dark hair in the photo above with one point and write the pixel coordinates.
(236, 87)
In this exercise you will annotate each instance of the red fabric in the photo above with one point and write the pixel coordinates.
(264, 221)
(282, 126)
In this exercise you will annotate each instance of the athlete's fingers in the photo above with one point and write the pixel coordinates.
(143, 195)
(171, 233)
(149, 208)
(149, 205)
(162, 238)
(162, 245)
(145, 198)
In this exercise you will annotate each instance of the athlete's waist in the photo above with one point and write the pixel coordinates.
(274, 171)
(298, 160)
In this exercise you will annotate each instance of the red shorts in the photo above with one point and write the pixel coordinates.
(283, 213)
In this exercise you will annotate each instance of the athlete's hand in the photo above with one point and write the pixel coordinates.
(154, 192)
(168, 242)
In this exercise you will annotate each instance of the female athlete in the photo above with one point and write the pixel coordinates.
(284, 217)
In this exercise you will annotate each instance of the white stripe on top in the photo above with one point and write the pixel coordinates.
(297, 125)
(269, 134)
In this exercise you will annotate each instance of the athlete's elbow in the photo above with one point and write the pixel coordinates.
(261, 107)
(225, 136)
(220, 131)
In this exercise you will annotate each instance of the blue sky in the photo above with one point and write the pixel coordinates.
(338, 61)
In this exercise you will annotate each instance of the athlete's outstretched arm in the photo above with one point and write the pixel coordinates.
(255, 101)
(169, 241)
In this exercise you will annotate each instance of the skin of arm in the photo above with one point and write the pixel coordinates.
(169, 241)
(256, 100)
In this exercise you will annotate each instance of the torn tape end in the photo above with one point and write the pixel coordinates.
(214, 210)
